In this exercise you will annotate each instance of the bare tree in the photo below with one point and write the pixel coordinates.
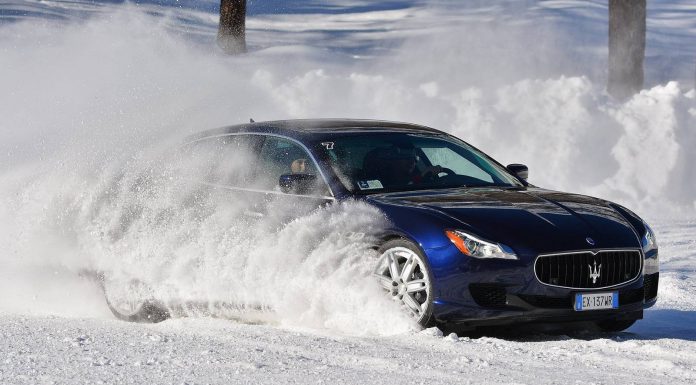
(626, 47)
(232, 30)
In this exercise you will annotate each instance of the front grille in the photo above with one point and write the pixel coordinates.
(488, 295)
(650, 283)
(586, 270)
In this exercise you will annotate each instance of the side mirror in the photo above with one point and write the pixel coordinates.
(297, 183)
(520, 170)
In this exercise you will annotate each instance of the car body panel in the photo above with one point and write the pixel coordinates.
(532, 221)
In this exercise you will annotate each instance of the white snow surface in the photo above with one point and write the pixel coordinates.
(208, 351)
(94, 93)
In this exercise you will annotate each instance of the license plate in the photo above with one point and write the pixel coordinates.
(596, 301)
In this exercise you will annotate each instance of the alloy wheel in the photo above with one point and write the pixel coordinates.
(402, 273)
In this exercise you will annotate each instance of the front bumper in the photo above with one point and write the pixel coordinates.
(518, 310)
(474, 293)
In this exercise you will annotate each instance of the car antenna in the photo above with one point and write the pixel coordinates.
(251, 120)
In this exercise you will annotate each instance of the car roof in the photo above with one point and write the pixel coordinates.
(304, 128)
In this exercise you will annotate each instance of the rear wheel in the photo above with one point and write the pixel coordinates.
(402, 270)
(132, 301)
(614, 326)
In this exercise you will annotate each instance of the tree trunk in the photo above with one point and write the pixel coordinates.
(232, 31)
(626, 47)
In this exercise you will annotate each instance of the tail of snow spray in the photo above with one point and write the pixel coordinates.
(193, 244)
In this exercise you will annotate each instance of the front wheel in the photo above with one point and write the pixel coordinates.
(402, 270)
(132, 301)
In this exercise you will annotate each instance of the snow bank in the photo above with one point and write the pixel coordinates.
(575, 139)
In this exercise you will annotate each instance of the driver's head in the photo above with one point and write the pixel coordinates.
(298, 166)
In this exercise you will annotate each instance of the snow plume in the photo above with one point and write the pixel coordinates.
(90, 107)
(191, 243)
(195, 247)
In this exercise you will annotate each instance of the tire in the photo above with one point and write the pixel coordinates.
(412, 289)
(614, 326)
(133, 302)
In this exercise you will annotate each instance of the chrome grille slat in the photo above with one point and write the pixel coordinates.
(573, 269)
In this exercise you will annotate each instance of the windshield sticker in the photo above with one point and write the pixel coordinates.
(370, 184)
(328, 145)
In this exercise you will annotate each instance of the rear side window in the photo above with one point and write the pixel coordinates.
(226, 160)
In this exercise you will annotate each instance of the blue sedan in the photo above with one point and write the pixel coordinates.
(470, 242)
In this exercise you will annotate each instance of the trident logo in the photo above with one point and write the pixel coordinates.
(596, 273)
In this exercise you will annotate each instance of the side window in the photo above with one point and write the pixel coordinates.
(281, 156)
(237, 160)
(198, 159)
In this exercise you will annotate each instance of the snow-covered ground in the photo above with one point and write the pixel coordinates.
(208, 351)
(91, 90)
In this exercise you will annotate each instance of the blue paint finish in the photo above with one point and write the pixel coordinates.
(530, 220)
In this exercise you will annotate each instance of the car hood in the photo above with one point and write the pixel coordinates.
(529, 220)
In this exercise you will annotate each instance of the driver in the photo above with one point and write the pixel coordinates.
(299, 166)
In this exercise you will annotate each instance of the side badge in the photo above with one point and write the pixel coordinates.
(590, 241)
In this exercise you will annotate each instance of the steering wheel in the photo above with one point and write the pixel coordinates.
(431, 176)
(447, 171)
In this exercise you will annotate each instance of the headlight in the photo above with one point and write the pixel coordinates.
(649, 242)
(477, 247)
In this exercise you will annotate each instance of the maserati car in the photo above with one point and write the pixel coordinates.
(470, 242)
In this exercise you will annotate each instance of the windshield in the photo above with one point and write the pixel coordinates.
(389, 162)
